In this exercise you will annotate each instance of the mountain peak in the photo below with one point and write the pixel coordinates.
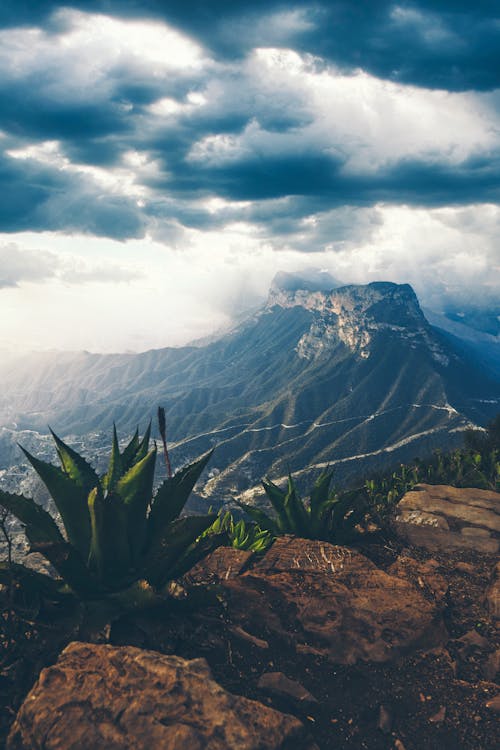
(353, 314)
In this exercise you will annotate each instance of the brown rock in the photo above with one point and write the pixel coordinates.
(276, 683)
(105, 698)
(440, 517)
(222, 564)
(422, 573)
(332, 600)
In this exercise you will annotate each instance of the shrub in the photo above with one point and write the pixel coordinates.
(239, 534)
(120, 540)
(327, 515)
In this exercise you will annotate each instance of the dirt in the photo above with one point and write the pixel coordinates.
(433, 700)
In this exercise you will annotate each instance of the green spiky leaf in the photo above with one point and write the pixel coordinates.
(39, 525)
(75, 466)
(115, 469)
(298, 521)
(129, 453)
(264, 521)
(32, 582)
(172, 496)
(135, 489)
(319, 494)
(277, 498)
(71, 567)
(143, 447)
(70, 499)
(110, 555)
(166, 560)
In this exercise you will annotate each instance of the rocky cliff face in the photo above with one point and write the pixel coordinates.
(353, 315)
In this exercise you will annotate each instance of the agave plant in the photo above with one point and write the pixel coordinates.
(327, 515)
(239, 534)
(119, 540)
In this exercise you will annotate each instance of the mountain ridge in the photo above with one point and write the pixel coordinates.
(351, 375)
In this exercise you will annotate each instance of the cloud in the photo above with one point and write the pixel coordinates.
(43, 196)
(25, 265)
(119, 126)
(21, 265)
(363, 133)
(431, 43)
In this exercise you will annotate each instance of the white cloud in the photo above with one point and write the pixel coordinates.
(20, 266)
(78, 59)
(173, 297)
(367, 122)
(17, 265)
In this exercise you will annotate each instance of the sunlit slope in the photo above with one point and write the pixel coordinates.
(315, 376)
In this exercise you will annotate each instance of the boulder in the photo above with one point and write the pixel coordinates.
(422, 573)
(439, 517)
(328, 600)
(222, 564)
(99, 697)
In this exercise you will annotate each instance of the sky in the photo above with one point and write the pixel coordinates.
(161, 161)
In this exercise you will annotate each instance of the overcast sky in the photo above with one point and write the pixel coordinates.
(160, 161)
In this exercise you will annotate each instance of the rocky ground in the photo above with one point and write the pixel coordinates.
(390, 644)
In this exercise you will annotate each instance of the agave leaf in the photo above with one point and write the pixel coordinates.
(39, 525)
(319, 494)
(110, 556)
(171, 554)
(296, 513)
(143, 447)
(171, 498)
(75, 466)
(128, 455)
(277, 498)
(265, 522)
(135, 490)
(70, 499)
(32, 582)
(115, 469)
(71, 567)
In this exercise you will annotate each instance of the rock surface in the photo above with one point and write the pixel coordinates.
(439, 517)
(106, 698)
(332, 601)
(222, 564)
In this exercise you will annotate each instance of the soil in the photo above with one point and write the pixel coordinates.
(434, 700)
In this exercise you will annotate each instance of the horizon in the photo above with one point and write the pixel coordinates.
(160, 165)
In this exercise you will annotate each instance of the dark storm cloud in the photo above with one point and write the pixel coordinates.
(450, 44)
(283, 165)
(41, 197)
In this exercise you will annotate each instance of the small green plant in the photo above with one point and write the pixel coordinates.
(239, 534)
(120, 540)
(327, 515)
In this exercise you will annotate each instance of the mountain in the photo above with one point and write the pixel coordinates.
(354, 375)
